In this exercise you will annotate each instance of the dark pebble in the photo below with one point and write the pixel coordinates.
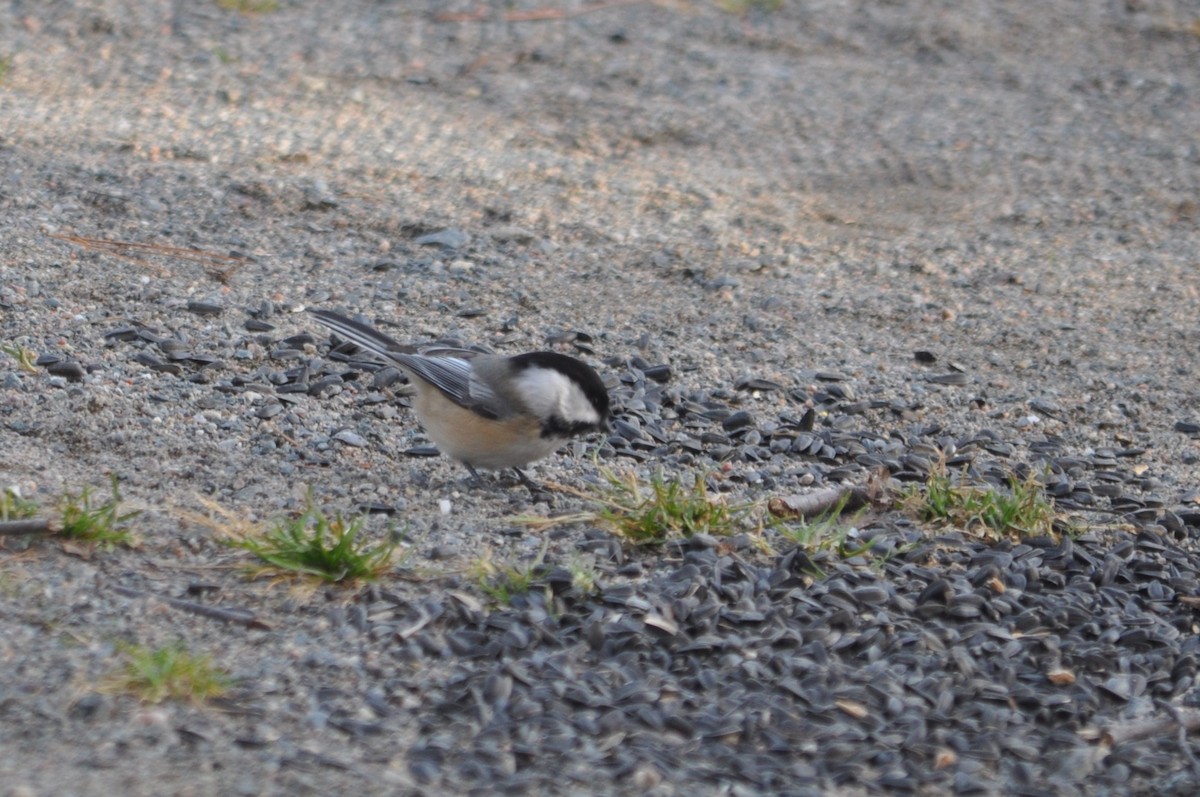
(755, 383)
(738, 420)
(351, 438)
(269, 410)
(955, 379)
(326, 385)
(124, 334)
(386, 377)
(205, 308)
(658, 373)
(421, 451)
(69, 369)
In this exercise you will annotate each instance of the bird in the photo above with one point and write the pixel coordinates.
(486, 410)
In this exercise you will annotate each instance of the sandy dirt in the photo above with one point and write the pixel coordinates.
(826, 187)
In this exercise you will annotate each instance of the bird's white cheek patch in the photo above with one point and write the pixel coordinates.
(549, 393)
(579, 408)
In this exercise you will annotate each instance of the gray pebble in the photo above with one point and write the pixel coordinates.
(351, 438)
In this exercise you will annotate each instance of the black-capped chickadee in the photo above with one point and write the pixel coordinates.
(485, 410)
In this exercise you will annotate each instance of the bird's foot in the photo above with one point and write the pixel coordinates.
(537, 492)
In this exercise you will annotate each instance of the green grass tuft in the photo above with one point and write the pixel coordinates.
(314, 544)
(96, 523)
(1022, 509)
(654, 513)
(168, 672)
(505, 582)
(829, 531)
(15, 507)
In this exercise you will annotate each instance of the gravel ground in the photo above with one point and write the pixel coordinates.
(782, 209)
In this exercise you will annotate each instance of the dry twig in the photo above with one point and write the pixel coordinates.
(16, 528)
(1187, 719)
(843, 498)
(532, 14)
(239, 616)
(220, 267)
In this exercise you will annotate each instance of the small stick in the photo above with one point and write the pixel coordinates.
(119, 247)
(843, 498)
(534, 14)
(1185, 719)
(16, 528)
(1177, 714)
(478, 15)
(219, 266)
(846, 498)
(240, 616)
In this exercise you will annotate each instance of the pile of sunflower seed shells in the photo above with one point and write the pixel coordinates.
(938, 663)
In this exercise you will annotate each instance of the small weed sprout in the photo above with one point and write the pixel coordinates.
(584, 576)
(314, 544)
(15, 507)
(169, 672)
(25, 357)
(503, 583)
(829, 531)
(1022, 509)
(96, 523)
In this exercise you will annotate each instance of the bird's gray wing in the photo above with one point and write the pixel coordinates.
(457, 379)
(444, 367)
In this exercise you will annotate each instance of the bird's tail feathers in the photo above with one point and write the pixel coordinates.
(362, 335)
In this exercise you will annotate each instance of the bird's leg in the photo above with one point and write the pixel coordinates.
(536, 491)
(525, 480)
(476, 479)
